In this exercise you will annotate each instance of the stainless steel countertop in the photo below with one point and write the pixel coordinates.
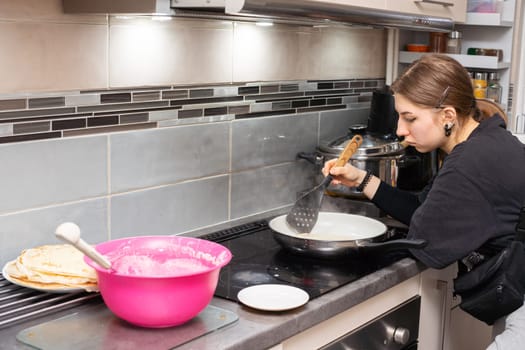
(258, 329)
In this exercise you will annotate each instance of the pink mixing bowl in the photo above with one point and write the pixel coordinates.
(159, 281)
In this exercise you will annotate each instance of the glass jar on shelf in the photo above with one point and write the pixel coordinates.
(480, 85)
(494, 87)
(438, 42)
(454, 42)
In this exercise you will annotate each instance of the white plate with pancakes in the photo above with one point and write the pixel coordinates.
(53, 269)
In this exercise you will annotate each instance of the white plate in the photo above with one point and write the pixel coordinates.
(273, 297)
(48, 290)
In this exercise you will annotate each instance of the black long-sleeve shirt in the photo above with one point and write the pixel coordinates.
(475, 197)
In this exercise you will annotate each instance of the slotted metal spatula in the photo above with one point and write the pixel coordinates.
(305, 211)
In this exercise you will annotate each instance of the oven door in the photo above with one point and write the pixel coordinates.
(397, 329)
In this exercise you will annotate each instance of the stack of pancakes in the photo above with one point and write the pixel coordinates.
(52, 267)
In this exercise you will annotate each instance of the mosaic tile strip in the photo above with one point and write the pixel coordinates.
(34, 117)
(13, 104)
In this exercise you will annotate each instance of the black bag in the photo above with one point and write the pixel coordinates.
(496, 287)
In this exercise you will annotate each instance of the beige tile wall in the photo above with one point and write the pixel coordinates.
(291, 52)
(45, 50)
(148, 52)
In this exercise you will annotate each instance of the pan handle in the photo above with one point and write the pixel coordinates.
(395, 244)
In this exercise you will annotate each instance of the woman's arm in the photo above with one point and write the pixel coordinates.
(396, 203)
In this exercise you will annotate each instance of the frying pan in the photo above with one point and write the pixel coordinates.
(337, 235)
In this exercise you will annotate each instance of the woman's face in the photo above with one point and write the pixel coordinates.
(422, 127)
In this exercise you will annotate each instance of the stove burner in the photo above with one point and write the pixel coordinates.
(300, 271)
(243, 275)
(258, 259)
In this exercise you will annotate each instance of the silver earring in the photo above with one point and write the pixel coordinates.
(448, 129)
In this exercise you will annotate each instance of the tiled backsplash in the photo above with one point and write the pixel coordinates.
(166, 127)
(199, 156)
(88, 112)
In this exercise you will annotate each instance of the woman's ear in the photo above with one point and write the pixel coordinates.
(449, 115)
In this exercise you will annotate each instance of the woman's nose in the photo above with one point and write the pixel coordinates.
(401, 129)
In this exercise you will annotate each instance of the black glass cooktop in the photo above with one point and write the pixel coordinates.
(259, 259)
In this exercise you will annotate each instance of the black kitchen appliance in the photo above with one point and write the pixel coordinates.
(259, 259)
(398, 329)
(382, 119)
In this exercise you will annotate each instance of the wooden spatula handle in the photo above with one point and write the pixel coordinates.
(349, 150)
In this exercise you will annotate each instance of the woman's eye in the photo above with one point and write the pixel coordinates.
(410, 119)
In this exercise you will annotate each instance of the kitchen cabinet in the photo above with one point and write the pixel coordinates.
(372, 4)
(460, 330)
(446, 8)
(451, 9)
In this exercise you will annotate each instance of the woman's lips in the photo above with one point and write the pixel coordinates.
(406, 143)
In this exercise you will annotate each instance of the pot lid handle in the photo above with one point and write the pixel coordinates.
(358, 129)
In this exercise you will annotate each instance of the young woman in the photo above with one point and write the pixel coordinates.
(473, 202)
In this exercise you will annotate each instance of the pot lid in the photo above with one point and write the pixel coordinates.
(373, 145)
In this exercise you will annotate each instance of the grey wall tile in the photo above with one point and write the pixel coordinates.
(45, 102)
(47, 172)
(22, 128)
(82, 100)
(6, 129)
(134, 118)
(107, 129)
(146, 96)
(164, 115)
(190, 113)
(115, 97)
(36, 112)
(266, 141)
(225, 91)
(37, 227)
(261, 107)
(201, 93)
(163, 156)
(263, 189)
(334, 124)
(19, 103)
(196, 120)
(170, 209)
(123, 106)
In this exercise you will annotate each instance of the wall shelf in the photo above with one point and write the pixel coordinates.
(486, 19)
(469, 61)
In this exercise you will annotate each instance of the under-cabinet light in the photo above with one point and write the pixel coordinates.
(264, 24)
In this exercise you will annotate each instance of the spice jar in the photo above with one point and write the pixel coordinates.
(454, 42)
(471, 75)
(480, 85)
(438, 42)
(494, 88)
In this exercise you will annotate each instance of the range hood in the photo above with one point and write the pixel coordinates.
(288, 11)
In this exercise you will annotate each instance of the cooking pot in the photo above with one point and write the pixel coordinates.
(384, 155)
(337, 235)
(159, 281)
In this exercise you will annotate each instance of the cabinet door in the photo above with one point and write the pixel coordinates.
(372, 4)
(465, 332)
(455, 9)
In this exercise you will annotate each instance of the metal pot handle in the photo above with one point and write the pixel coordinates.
(395, 244)
(313, 158)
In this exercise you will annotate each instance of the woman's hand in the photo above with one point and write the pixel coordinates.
(351, 176)
(347, 175)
